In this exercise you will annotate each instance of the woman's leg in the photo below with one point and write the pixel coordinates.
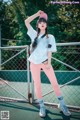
(51, 76)
(35, 71)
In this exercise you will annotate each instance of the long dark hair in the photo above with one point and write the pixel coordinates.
(34, 44)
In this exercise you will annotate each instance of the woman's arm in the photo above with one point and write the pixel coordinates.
(31, 18)
(49, 60)
(49, 57)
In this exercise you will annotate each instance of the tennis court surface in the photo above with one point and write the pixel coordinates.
(26, 111)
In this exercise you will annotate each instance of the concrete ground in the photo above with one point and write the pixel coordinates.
(26, 111)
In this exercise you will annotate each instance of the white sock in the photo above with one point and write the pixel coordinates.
(61, 100)
(41, 102)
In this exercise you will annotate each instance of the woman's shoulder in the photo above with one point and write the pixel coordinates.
(50, 36)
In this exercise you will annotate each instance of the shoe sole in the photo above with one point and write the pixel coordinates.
(62, 111)
(43, 116)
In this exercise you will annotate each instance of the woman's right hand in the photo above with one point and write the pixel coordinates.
(31, 18)
(40, 12)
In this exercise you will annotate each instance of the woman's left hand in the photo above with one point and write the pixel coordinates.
(48, 66)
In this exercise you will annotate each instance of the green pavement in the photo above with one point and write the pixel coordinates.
(25, 111)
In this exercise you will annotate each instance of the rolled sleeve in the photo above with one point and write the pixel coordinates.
(52, 44)
(31, 33)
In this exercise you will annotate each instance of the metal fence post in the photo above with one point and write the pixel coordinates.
(0, 46)
(32, 86)
(32, 82)
(28, 77)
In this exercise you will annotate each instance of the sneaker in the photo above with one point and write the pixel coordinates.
(65, 110)
(42, 112)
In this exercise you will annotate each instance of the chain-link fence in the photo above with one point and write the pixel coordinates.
(13, 59)
(14, 74)
(66, 63)
(15, 70)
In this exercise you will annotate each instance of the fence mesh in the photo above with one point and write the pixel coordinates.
(69, 55)
(66, 64)
(13, 74)
(18, 61)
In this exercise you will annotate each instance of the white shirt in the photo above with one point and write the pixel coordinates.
(40, 53)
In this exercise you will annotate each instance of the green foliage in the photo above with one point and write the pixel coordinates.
(63, 22)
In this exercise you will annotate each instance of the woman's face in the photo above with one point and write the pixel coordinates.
(42, 25)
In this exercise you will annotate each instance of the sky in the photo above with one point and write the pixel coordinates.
(6, 0)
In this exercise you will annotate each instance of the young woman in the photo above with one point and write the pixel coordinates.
(43, 44)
